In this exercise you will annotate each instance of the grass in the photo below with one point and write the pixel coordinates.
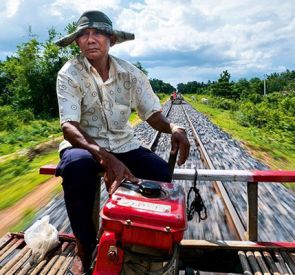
(28, 135)
(260, 143)
(18, 177)
(26, 220)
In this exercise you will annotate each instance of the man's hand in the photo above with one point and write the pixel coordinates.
(179, 142)
(115, 172)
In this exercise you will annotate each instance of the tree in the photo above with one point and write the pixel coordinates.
(256, 86)
(223, 87)
(181, 88)
(5, 79)
(191, 87)
(161, 87)
(241, 88)
(31, 76)
(139, 66)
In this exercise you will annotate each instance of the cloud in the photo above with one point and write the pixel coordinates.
(9, 8)
(180, 38)
(60, 6)
(235, 31)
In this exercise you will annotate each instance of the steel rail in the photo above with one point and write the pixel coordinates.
(233, 216)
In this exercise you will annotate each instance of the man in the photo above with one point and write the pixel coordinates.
(96, 92)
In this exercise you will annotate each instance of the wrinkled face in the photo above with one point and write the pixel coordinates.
(94, 44)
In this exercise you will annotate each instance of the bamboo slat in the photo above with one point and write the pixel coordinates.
(10, 247)
(22, 257)
(253, 263)
(67, 262)
(282, 262)
(244, 263)
(261, 263)
(65, 251)
(4, 240)
(289, 261)
(271, 263)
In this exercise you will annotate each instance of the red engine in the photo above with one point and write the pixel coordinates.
(145, 217)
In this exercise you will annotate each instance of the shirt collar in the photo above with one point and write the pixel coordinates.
(115, 67)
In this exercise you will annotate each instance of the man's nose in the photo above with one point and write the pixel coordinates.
(91, 37)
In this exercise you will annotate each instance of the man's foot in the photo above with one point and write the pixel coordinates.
(77, 267)
(82, 261)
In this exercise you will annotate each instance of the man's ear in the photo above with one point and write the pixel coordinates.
(113, 39)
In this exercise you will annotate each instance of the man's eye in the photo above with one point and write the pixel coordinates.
(97, 32)
(83, 34)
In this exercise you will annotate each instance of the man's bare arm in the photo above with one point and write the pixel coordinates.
(80, 139)
(115, 170)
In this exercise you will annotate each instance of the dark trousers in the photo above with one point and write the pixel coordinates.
(79, 171)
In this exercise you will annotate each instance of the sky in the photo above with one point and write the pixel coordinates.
(176, 41)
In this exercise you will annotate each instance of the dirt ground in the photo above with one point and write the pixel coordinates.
(35, 200)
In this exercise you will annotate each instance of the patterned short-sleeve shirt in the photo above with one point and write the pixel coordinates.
(103, 108)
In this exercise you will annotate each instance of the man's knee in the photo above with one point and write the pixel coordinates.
(153, 167)
(162, 171)
(78, 169)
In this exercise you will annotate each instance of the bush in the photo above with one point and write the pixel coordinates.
(254, 115)
(254, 98)
(11, 119)
(26, 116)
(224, 103)
(287, 105)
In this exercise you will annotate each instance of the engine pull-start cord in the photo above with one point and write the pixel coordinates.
(197, 205)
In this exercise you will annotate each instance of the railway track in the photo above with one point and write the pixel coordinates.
(226, 203)
(276, 204)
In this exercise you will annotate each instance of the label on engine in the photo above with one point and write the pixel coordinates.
(162, 208)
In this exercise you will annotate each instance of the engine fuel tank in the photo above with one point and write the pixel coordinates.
(148, 214)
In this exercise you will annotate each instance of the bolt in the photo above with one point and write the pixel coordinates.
(113, 253)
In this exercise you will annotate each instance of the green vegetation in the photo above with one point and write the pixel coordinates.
(18, 177)
(17, 134)
(25, 221)
(274, 148)
(163, 97)
(29, 112)
(259, 113)
(161, 87)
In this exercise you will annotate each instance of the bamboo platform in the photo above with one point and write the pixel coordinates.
(16, 256)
